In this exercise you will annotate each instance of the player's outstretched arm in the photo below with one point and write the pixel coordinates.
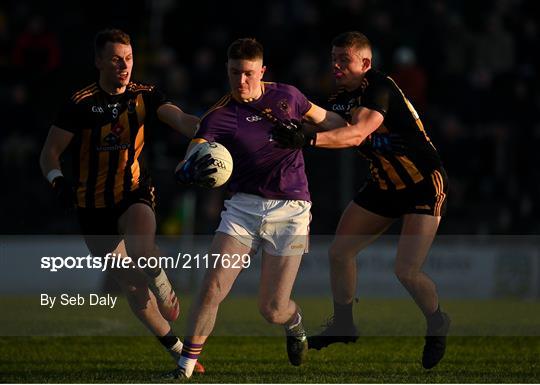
(295, 134)
(322, 119)
(364, 122)
(173, 116)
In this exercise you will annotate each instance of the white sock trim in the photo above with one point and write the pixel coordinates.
(53, 174)
(162, 284)
(299, 317)
(177, 347)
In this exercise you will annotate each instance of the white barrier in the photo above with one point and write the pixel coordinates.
(462, 267)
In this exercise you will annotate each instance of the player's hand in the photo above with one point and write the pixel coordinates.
(196, 171)
(291, 134)
(387, 143)
(63, 192)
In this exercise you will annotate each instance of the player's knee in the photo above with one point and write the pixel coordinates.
(273, 314)
(406, 276)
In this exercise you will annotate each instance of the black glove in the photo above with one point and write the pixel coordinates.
(63, 192)
(196, 171)
(291, 134)
(387, 143)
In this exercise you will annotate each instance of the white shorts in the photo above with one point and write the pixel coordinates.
(281, 226)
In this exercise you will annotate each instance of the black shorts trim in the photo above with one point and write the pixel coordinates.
(429, 197)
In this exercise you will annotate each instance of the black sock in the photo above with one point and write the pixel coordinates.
(168, 340)
(343, 314)
(435, 320)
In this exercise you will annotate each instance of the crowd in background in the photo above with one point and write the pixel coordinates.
(470, 68)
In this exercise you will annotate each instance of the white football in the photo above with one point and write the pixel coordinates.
(222, 160)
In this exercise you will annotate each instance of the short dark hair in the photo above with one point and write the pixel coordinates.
(245, 49)
(351, 39)
(112, 35)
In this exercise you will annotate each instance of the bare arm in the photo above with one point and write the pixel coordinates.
(55, 144)
(173, 116)
(323, 119)
(364, 122)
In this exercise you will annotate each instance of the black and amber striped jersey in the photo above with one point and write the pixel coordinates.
(391, 171)
(109, 137)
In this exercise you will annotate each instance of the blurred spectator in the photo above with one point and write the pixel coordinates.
(37, 50)
(494, 47)
(410, 77)
(5, 44)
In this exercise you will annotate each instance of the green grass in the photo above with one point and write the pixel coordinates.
(263, 359)
(256, 352)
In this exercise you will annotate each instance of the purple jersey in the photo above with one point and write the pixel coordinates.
(260, 166)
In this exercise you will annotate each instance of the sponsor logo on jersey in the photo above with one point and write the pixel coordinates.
(111, 142)
(283, 105)
(253, 118)
(345, 107)
(114, 147)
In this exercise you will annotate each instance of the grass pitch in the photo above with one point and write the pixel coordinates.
(101, 346)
